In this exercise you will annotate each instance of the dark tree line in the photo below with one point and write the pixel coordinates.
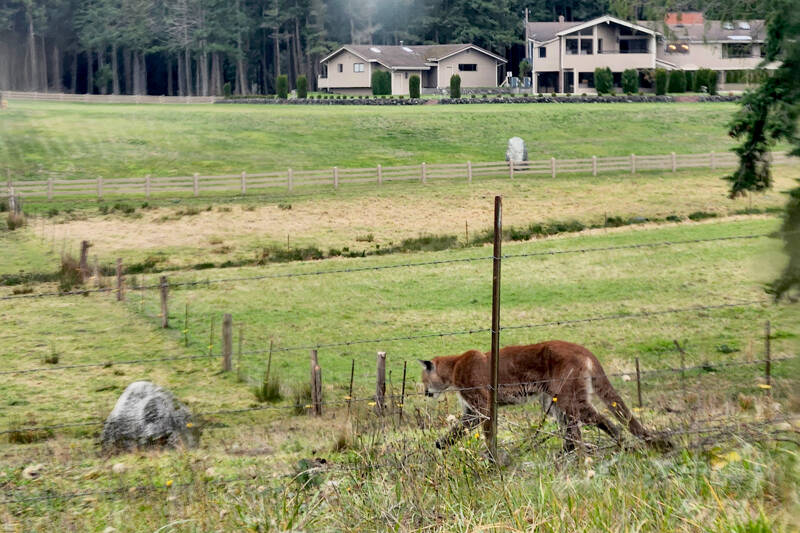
(194, 47)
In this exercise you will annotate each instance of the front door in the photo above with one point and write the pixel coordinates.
(569, 81)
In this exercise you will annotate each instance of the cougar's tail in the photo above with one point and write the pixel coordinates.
(605, 390)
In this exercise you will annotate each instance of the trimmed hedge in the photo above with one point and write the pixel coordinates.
(413, 86)
(603, 80)
(630, 81)
(302, 87)
(712, 81)
(381, 83)
(661, 81)
(677, 81)
(282, 86)
(455, 86)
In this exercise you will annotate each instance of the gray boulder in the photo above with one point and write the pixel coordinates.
(517, 151)
(147, 415)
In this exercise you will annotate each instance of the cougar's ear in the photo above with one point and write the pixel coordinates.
(427, 364)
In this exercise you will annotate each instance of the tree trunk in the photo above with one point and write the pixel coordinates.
(198, 75)
(143, 73)
(298, 53)
(56, 70)
(169, 76)
(89, 72)
(181, 77)
(128, 67)
(33, 71)
(43, 62)
(102, 88)
(137, 79)
(73, 80)
(204, 70)
(263, 59)
(187, 64)
(216, 82)
(114, 70)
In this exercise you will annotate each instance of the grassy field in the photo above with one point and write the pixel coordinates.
(40, 140)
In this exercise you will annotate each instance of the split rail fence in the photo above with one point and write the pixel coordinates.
(108, 98)
(289, 179)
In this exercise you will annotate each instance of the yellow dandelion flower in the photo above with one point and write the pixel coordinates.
(477, 435)
(308, 406)
(372, 404)
(555, 398)
(348, 398)
(189, 424)
(637, 409)
(169, 483)
(764, 386)
(613, 404)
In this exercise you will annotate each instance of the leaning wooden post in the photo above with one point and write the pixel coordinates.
(211, 336)
(380, 175)
(402, 393)
(83, 262)
(350, 393)
(594, 165)
(147, 186)
(633, 163)
(469, 171)
(495, 361)
(335, 177)
(380, 383)
(243, 185)
(674, 162)
(424, 176)
(316, 384)
(196, 184)
(120, 285)
(227, 342)
(638, 383)
(164, 288)
(553, 167)
(768, 356)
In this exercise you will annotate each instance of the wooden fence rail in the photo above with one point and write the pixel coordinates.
(245, 183)
(109, 98)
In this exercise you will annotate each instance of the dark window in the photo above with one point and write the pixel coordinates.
(586, 46)
(572, 46)
(633, 46)
(585, 31)
(599, 46)
(542, 51)
(467, 67)
(737, 50)
(405, 75)
(341, 67)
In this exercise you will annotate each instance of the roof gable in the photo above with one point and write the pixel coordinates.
(607, 19)
(408, 57)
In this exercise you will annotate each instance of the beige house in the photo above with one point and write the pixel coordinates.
(564, 55)
(349, 69)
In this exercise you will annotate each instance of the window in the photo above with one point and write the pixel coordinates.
(633, 46)
(467, 67)
(599, 46)
(586, 31)
(341, 67)
(405, 75)
(737, 50)
(358, 67)
(572, 46)
(542, 51)
(586, 47)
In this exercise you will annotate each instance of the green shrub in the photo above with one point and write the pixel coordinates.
(226, 89)
(302, 87)
(455, 86)
(630, 81)
(282, 86)
(14, 221)
(381, 82)
(69, 276)
(700, 80)
(269, 390)
(603, 80)
(689, 75)
(413, 86)
(661, 81)
(301, 396)
(701, 215)
(677, 81)
(712, 81)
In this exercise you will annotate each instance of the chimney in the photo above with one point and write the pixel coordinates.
(561, 18)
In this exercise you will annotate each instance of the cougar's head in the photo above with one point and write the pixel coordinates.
(433, 382)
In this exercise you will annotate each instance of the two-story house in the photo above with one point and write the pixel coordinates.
(563, 55)
(349, 69)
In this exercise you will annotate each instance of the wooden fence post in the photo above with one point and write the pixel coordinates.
(83, 262)
(164, 288)
(424, 176)
(120, 289)
(196, 184)
(495, 357)
(99, 186)
(402, 393)
(316, 384)
(244, 183)
(335, 177)
(350, 393)
(674, 162)
(510, 169)
(594, 165)
(633, 163)
(712, 161)
(147, 186)
(768, 356)
(638, 383)
(49, 188)
(289, 179)
(553, 166)
(211, 336)
(380, 175)
(380, 383)
(469, 171)
(186, 323)
(227, 342)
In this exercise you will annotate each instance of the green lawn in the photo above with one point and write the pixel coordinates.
(40, 140)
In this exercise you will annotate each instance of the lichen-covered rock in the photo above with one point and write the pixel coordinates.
(517, 151)
(147, 415)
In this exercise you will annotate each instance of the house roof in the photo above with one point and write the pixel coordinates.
(408, 57)
(719, 31)
(547, 31)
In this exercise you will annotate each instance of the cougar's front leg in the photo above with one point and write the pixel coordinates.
(470, 419)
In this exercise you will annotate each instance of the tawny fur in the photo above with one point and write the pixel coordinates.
(566, 372)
